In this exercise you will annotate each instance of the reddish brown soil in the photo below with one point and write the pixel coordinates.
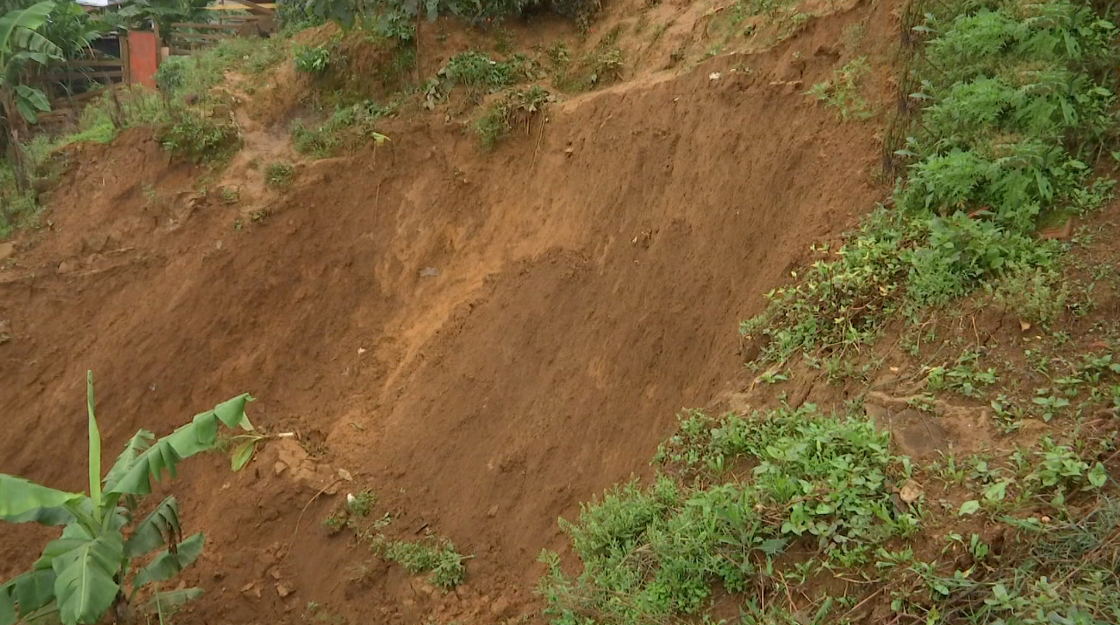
(588, 282)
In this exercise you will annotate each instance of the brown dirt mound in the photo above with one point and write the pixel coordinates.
(483, 339)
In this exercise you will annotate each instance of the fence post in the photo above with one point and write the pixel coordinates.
(126, 65)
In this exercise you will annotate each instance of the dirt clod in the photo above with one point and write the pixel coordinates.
(500, 608)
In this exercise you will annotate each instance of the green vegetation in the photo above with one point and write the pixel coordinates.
(37, 33)
(388, 14)
(163, 13)
(20, 44)
(963, 376)
(100, 122)
(70, 28)
(201, 131)
(479, 74)
(1010, 106)
(519, 106)
(737, 20)
(397, 73)
(1034, 294)
(230, 195)
(200, 137)
(314, 60)
(347, 128)
(432, 554)
(198, 73)
(103, 118)
(16, 207)
(601, 66)
(437, 556)
(768, 505)
(476, 70)
(197, 131)
(842, 92)
(820, 486)
(1064, 573)
(83, 574)
(279, 175)
(361, 504)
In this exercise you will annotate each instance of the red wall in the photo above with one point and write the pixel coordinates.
(143, 57)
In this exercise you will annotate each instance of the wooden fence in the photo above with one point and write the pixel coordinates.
(187, 37)
(100, 70)
(243, 17)
(70, 84)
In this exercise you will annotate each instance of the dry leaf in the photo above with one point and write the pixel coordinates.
(910, 491)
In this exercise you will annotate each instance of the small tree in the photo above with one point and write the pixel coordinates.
(84, 573)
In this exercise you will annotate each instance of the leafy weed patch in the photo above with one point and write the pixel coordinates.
(279, 175)
(200, 137)
(437, 556)
(517, 107)
(748, 492)
(431, 554)
(347, 128)
(476, 70)
(600, 67)
(315, 60)
(1009, 107)
(842, 92)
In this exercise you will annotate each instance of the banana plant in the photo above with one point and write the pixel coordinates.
(90, 568)
(20, 43)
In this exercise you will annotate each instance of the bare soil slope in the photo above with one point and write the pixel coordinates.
(484, 339)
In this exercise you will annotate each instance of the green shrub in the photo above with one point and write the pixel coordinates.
(1033, 294)
(347, 127)
(500, 116)
(199, 137)
(279, 175)
(99, 122)
(819, 487)
(18, 208)
(313, 59)
(606, 66)
(172, 73)
(474, 69)
(599, 67)
(435, 555)
(69, 27)
(841, 93)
